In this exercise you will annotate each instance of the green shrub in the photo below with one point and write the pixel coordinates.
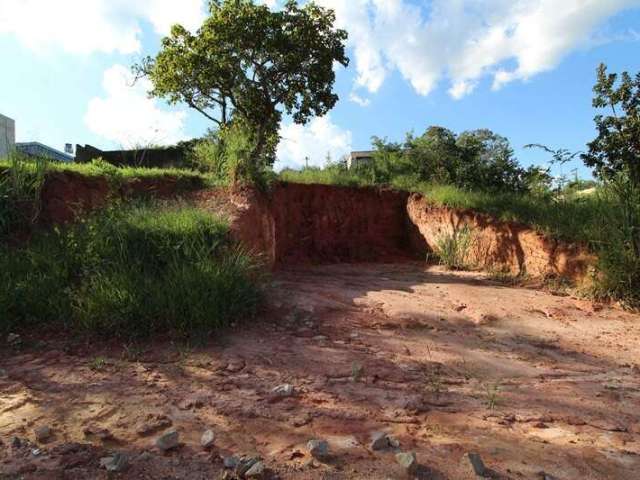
(453, 248)
(130, 271)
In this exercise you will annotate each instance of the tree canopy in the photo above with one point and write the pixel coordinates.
(247, 65)
(617, 146)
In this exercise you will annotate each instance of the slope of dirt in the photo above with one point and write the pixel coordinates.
(509, 246)
(445, 362)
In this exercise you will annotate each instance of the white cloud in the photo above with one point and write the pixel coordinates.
(87, 26)
(127, 117)
(312, 143)
(362, 101)
(464, 40)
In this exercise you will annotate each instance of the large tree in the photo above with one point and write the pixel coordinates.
(247, 64)
(617, 146)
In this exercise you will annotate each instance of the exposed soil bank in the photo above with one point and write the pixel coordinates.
(296, 223)
(322, 223)
(505, 246)
(65, 195)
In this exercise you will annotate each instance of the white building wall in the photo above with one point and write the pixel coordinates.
(7, 135)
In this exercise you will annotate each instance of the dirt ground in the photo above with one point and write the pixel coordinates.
(540, 385)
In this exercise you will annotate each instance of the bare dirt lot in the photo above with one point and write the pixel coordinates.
(540, 385)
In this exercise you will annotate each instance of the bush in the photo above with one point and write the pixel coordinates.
(453, 249)
(130, 272)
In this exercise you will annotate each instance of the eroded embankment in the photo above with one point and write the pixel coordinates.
(497, 245)
(297, 223)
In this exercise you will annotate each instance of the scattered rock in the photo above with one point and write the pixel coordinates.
(318, 449)
(235, 366)
(477, 464)
(256, 471)
(207, 439)
(379, 441)
(42, 433)
(14, 339)
(36, 452)
(168, 441)
(245, 465)
(115, 463)
(144, 456)
(320, 338)
(408, 461)
(394, 442)
(282, 391)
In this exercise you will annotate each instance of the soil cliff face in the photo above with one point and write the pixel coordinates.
(506, 246)
(296, 223)
(321, 223)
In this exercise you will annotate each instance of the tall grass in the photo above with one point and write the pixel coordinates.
(130, 271)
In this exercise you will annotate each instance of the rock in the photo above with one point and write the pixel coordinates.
(207, 439)
(394, 442)
(230, 462)
(477, 464)
(168, 440)
(379, 441)
(16, 442)
(245, 465)
(14, 339)
(36, 452)
(320, 338)
(318, 449)
(42, 433)
(144, 456)
(116, 463)
(282, 391)
(256, 471)
(408, 461)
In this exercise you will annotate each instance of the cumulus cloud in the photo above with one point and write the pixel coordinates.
(87, 26)
(127, 117)
(362, 101)
(465, 40)
(311, 143)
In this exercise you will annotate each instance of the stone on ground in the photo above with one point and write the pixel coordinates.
(168, 441)
(285, 390)
(318, 449)
(115, 463)
(207, 439)
(379, 441)
(42, 433)
(477, 464)
(408, 461)
(256, 471)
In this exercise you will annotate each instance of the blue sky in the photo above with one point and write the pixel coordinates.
(523, 68)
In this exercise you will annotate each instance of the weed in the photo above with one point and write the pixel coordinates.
(98, 364)
(132, 351)
(492, 393)
(453, 249)
(357, 370)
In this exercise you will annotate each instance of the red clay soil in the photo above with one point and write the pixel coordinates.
(541, 386)
(66, 195)
(505, 246)
(328, 224)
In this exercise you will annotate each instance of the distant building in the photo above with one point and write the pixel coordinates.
(7, 136)
(37, 149)
(359, 158)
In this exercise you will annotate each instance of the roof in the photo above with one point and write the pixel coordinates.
(362, 153)
(30, 146)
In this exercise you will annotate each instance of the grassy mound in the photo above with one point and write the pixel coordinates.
(130, 271)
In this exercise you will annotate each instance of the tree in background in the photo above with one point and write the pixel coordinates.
(246, 65)
(617, 146)
(477, 159)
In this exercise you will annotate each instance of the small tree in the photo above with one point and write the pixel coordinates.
(617, 146)
(247, 65)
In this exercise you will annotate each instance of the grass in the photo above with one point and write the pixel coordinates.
(453, 249)
(312, 175)
(130, 271)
